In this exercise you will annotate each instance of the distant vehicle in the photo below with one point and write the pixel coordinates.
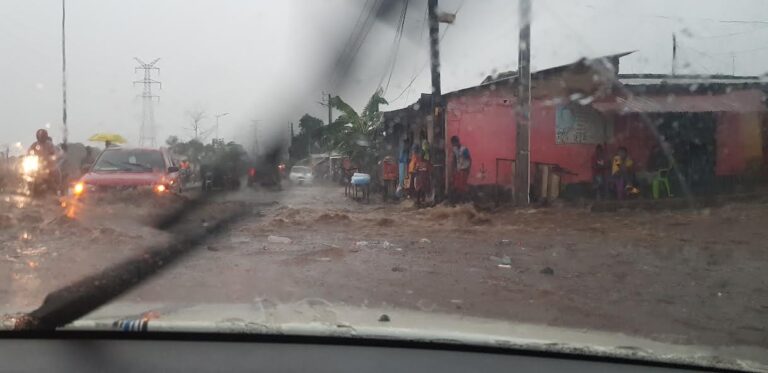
(301, 175)
(119, 168)
(40, 176)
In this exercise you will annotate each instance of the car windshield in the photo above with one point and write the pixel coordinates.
(589, 172)
(130, 161)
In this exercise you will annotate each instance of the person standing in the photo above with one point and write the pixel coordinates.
(599, 171)
(462, 165)
(622, 172)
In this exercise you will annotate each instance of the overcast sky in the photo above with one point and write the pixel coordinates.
(266, 60)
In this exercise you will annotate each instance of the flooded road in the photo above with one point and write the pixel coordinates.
(689, 276)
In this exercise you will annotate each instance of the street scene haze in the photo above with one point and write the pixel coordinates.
(581, 174)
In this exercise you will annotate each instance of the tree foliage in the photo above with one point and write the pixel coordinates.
(356, 134)
(309, 139)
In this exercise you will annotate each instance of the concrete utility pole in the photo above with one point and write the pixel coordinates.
(147, 131)
(217, 123)
(436, 132)
(523, 140)
(65, 134)
(330, 151)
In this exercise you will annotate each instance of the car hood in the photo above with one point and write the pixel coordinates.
(122, 178)
(319, 318)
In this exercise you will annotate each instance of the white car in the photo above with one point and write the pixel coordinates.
(300, 175)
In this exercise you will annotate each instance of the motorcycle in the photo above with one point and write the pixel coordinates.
(39, 176)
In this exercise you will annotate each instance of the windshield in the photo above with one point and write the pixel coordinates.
(590, 165)
(130, 160)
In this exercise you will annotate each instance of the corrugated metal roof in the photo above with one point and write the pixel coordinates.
(742, 101)
(691, 80)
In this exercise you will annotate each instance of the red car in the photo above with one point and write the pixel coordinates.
(119, 168)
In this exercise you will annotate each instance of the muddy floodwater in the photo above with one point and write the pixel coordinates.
(684, 276)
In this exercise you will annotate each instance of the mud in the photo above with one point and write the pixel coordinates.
(687, 276)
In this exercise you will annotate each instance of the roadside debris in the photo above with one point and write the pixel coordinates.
(361, 243)
(239, 239)
(10, 259)
(34, 252)
(279, 239)
(504, 262)
(398, 269)
(547, 271)
(425, 240)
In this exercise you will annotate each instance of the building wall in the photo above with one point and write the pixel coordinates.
(739, 143)
(738, 138)
(485, 122)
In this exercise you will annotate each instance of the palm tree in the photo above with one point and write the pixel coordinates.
(357, 135)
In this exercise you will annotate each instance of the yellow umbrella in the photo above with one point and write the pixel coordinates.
(108, 138)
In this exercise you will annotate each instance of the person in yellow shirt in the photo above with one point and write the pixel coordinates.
(622, 172)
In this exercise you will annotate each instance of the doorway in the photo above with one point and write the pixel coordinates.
(692, 138)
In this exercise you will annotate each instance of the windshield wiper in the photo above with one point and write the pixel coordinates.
(74, 301)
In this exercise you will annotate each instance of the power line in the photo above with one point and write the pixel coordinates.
(358, 35)
(730, 34)
(424, 67)
(396, 45)
(742, 51)
(678, 18)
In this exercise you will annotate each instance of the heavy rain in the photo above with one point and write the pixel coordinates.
(590, 167)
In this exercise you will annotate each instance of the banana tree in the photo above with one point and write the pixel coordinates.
(357, 134)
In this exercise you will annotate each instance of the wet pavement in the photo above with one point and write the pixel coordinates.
(688, 276)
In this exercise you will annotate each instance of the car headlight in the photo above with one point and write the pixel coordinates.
(78, 188)
(160, 188)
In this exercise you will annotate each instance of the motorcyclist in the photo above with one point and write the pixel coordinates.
(49, 157)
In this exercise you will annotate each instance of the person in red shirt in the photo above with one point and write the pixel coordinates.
(422, 179)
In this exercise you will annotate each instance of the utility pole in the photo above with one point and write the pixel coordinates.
(330, 110)
(217, 123)
(330, 151)
(436, 131)
(64, 72)
(674, 54)
(523, 127)
(147, 131)
(733, 64)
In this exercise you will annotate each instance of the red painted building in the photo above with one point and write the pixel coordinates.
(716, 123)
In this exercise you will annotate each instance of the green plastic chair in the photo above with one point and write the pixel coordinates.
(661, 179)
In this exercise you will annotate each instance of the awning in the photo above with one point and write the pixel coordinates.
(743, 101)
